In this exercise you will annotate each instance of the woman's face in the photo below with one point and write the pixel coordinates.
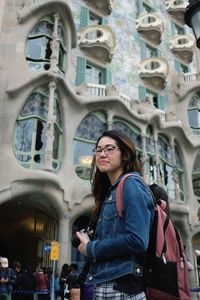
(108, 158)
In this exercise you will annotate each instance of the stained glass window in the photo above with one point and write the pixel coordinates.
(39, 45)
(129, 130)
(31, 130)
(87, 133)
(194, 114)
(165, 150)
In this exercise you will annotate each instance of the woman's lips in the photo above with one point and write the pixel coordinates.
(103, 162)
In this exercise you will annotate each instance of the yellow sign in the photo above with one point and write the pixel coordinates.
(54, 254)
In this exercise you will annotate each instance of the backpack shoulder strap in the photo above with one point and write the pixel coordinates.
(119, 192)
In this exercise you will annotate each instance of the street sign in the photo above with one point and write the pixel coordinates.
(47, 248)
(54, 254)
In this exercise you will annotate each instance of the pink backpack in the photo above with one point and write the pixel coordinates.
(165, 268)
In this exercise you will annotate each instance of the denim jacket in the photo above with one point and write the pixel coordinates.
(118, 241)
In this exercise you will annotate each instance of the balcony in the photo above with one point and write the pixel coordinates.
(154, 71)
(103, 6)
(101, 90)
(176, 9)
(183, 47)
(97, 41)
(150, 26)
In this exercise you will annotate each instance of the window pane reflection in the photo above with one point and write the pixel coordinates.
(24, 130)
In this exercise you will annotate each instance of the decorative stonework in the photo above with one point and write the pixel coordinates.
(176, 9)
(183, 47)
(154, 71)
(97, 41)
(150, 26)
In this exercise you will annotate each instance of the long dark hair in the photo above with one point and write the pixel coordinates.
(100, 181)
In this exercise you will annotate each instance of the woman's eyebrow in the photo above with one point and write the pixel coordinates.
(106, 146)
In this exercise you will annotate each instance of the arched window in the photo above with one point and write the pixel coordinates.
(196, 176)
(166, 165)
(31, 131)
(41, 42)
(194, 113)
(87, 133)
(150, 148)
(178, 172)
(129, 130)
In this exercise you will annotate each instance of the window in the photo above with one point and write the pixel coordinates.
(129, 130)
(196, 176)
(170, 168)
(177, 30)
(181, 68)
(148, 51)
(150, 149)
(94, 19)
(147, 8)
(87, 133)
(156, 99)
(151, 52)
(87, 17)
(194, 114)
(90, 73)
(31, 131)
(39, 45)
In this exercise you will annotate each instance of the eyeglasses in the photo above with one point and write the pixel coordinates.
(107, 150)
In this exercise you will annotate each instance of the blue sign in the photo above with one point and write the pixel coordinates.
(47, 248)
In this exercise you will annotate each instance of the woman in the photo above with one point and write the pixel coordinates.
(64, 284)
(118, 245)
(42, 285)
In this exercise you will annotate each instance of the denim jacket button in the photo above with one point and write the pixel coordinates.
(90, 277)
(110, 198)
(99, 220)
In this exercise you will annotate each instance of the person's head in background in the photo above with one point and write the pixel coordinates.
(4, 262)
(160, 194)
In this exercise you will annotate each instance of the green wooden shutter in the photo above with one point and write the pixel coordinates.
(84, 17)
(158, 52)
(177, 66)
(173, 29)
(80, 70)
(108, 76)
(161, 102)
(143, 49)
(141, 7)
(142, 92)
(104, 21)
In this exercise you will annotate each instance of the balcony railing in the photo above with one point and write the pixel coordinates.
(176, 9)
(97, 41)
(150, 26)
(104, 6)
(192, 77)
(96, 89)
(154, 71)
(183, 47)
(101, 90)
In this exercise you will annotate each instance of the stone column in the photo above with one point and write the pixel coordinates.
(55, 46)
(64, 240)
(145, 160)
(48, 153)
(175, 175)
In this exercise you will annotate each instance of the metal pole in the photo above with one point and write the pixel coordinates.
(52, 281)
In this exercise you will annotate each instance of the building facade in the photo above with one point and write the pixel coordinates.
(71, 69)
